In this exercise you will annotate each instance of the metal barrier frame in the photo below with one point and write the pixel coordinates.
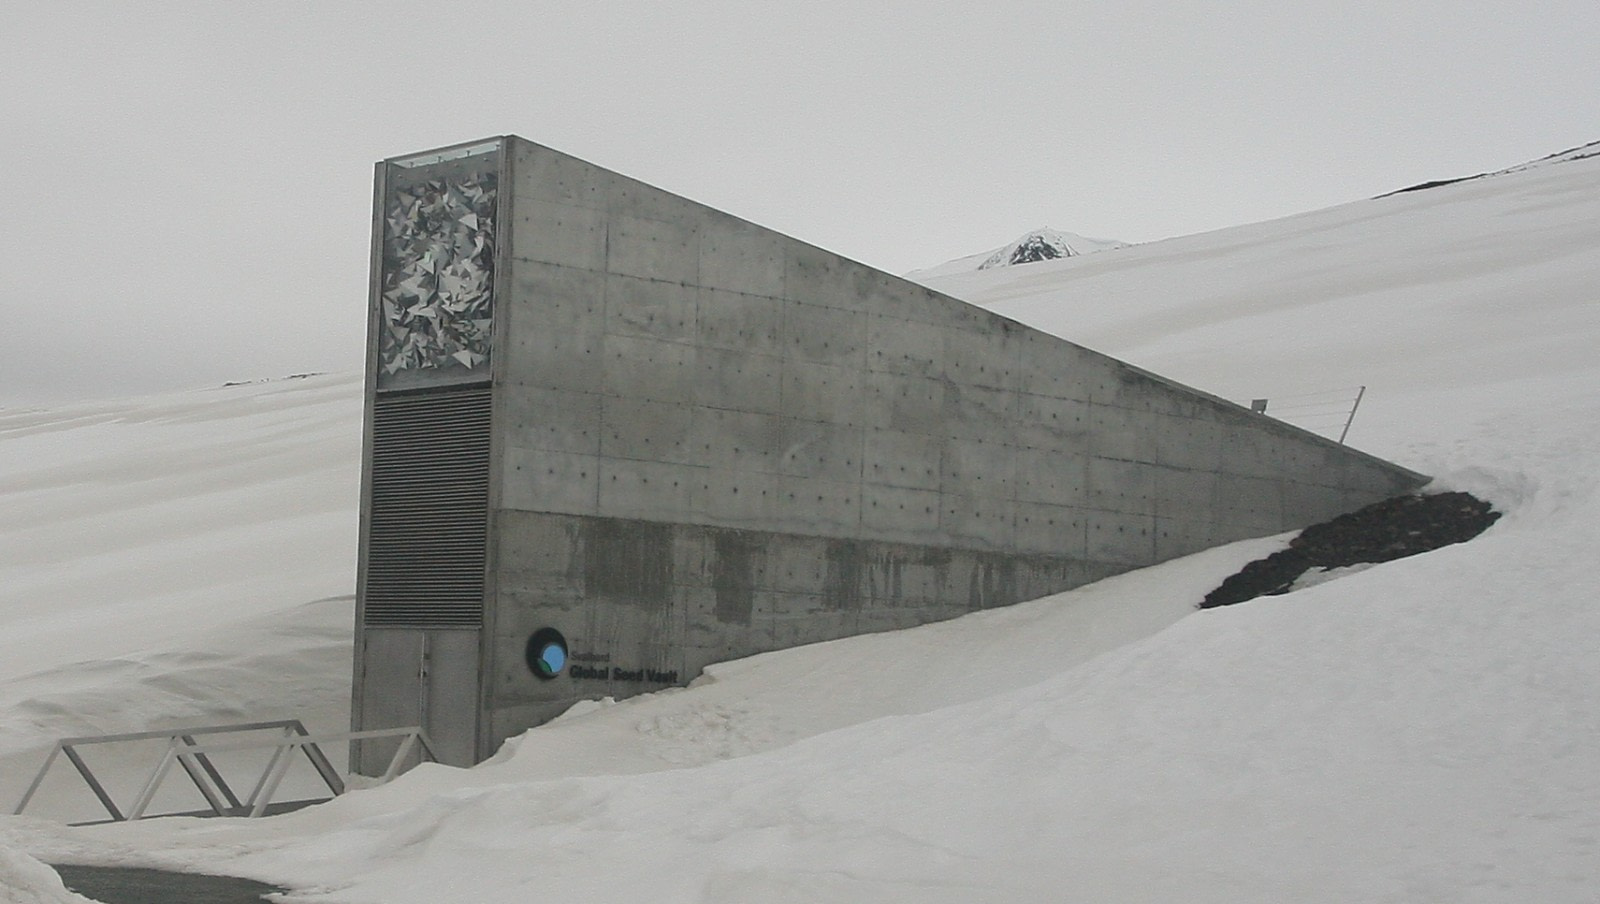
(184, 750)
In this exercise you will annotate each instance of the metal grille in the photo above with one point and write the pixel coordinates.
(428, 525)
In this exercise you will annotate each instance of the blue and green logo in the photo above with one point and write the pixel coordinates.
(547, 653)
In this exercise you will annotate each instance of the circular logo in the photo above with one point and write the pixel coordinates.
(547, 653)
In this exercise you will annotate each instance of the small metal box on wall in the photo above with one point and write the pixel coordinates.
(613, 436)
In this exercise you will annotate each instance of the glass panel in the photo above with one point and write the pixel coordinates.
(437, 293)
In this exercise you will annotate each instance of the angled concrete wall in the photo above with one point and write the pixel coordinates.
(709, 440)
(717, 440)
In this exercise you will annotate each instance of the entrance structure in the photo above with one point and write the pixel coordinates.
(614, 435)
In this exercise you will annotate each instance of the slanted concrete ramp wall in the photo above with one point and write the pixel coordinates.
(710, 440)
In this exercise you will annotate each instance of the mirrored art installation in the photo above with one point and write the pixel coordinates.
(438, 277)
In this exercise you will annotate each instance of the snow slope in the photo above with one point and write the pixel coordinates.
(176, 560)
(1423, 730)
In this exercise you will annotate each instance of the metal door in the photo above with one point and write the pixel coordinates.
(419, 677)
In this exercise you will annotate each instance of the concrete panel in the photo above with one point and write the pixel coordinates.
(647, 430)
(1184, 493)
(1048, 366)
(649, 369)
(552, 232)
(798, 565)
(1369, 477)
(901, 576)
(914, 302)
(536, 545)
(904, 402)
(738, 380)
(975, 467)
(1179, 536)
(1311, 503)
(556, 360)
(1254, 501)
(1045, 422)
(978, 412)
(1121, 486)
(981, 358)
(559, 596)
(977, 522)
(803, 627)
(634, 199)
(539, 480)
(1306, 463)
(892, 297)
(745, 499)
(1124, 434)
(733, 320)
(528, 587)
(651, 489)
(654, 249)
(541, 174)
(825, 450)
(650, 308)
(1190, 443)
(708, 640)
(741, 257)
(553, 419)
(1121, 538)
(742, 441)
(825, 335)
(984, 581)
(554, 298)
(796, 611)
(821, 392)
(900, 459)
(1123, 386)
(695, 555)
(1054, 478)
(814, 276)
(1055, 530)
(1252, 454)
(900, 514)
(899, 346)
(825, 507)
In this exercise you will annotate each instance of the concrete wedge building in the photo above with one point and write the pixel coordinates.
(613, 436)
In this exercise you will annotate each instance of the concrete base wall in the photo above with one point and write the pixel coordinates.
(647, 604)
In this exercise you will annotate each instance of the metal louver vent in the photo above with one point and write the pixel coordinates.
(428, 524)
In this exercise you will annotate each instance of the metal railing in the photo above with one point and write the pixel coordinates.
(195, 759)
(1323, 413)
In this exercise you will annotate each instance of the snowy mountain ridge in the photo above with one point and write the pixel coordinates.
(1042, 244)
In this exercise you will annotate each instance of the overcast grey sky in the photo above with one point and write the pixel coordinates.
(187, 186)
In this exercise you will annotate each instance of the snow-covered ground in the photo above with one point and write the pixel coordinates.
(1422, 730)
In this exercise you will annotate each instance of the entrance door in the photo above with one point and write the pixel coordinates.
(419, 677)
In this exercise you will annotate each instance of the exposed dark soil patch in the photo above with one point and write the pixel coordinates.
(129, 885)
(1387, 530)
